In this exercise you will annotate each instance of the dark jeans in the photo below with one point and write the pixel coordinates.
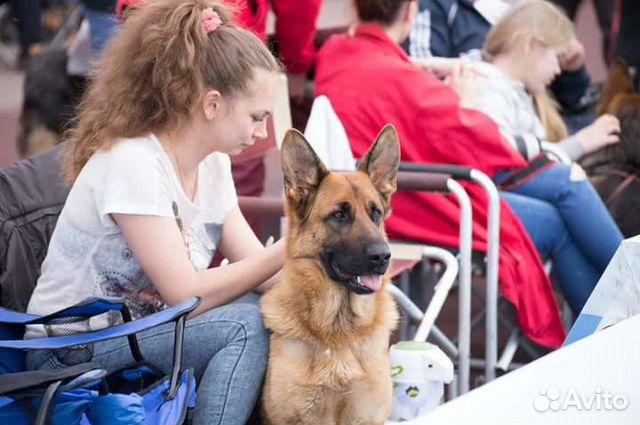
(28, 16)
(567, 222)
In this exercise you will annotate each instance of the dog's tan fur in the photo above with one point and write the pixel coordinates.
(328, 360)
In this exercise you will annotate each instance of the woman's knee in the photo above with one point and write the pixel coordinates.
(243, 323)
(249, 315)
(572, 180)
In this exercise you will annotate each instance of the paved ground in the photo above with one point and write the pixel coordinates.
(336, 11)
(10, 100)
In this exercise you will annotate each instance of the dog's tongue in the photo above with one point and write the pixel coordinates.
(372, 282)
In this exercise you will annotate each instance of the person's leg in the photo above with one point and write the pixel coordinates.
(575, 275)
(589, 223)
(28, 15)
(226, 346)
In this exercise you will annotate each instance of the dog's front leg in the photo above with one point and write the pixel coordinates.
(368, 402)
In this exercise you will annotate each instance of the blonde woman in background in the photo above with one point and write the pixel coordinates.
(523, 52)
(560, 209)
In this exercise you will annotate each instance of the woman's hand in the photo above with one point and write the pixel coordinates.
(603, 131)
(464, 80)
(460, 74)
(572, 56)
(445, 67)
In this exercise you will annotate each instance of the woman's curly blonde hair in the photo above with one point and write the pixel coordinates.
(154, 71)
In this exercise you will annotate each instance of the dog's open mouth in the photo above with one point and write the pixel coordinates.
(360, 284)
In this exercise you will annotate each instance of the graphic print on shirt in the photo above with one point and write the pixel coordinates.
(122, 276)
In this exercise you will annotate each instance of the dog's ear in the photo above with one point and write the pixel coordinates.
(619, 81)
(382, 161)
(302, 170)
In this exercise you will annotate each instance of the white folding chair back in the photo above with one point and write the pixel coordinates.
(328, 137)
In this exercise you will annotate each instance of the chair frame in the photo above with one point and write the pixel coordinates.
(89, 308)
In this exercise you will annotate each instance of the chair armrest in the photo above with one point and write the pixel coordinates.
(125, 329)
(420, 181)
(87, 308)
(458, 172)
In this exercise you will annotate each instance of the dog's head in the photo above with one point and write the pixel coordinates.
(336, 218)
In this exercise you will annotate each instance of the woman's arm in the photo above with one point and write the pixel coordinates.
(158, 245)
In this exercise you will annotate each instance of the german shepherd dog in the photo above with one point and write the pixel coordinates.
(329, 315)
(615, 169)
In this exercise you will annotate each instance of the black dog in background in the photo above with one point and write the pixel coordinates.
(50, 96)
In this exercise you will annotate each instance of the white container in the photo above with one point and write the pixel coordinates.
(419, 371)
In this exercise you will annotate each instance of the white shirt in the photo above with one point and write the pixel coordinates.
(88, 255)
(507, 102)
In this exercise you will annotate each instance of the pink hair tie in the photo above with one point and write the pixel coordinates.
(210, 20)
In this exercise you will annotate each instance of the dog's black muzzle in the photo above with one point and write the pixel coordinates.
(358, 270)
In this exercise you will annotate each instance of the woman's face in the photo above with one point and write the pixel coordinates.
(243, 118)
(542, 66)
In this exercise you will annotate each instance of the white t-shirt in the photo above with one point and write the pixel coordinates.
(88, 255)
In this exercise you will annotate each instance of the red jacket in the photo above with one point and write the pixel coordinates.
(295, 27)
(371, 82)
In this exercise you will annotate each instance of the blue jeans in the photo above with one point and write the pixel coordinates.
(568, 222)
(102, 26)
(227, 347)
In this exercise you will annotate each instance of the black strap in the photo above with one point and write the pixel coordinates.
(521, 145)
(522, 175)
(12, 382)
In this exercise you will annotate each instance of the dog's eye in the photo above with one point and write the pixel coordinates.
(376, 214)
(339, 215)
(342, 214)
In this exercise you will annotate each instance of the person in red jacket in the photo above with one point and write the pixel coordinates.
(370, 82)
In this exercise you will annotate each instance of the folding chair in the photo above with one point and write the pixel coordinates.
(492, 258)
(32, 196)
(516, 339)
(162, 400)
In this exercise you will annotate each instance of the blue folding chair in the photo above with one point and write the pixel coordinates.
(31, 197)
(83, 393)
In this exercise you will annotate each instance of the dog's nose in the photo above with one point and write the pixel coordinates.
(379, 255)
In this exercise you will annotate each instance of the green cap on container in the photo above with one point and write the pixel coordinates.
(414, 346)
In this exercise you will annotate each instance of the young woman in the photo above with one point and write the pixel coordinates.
(180, 88)
(523, 52)
(370, 81)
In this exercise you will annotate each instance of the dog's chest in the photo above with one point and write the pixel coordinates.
(336, 368)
